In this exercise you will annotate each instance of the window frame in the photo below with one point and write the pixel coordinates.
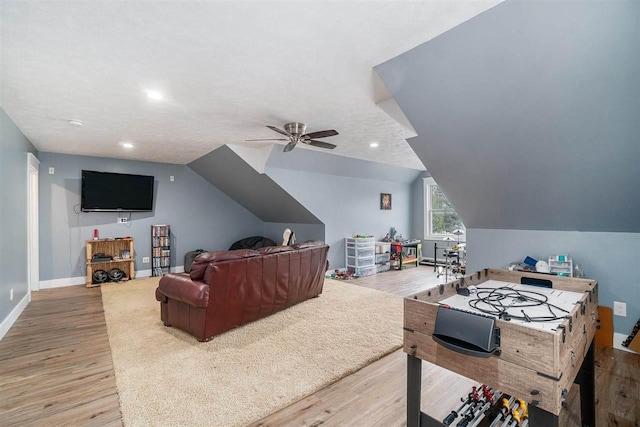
(429, 182)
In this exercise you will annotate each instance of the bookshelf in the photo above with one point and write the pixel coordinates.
(160, 249)
(118, 253)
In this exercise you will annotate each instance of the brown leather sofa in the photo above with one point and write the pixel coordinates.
(227, 289)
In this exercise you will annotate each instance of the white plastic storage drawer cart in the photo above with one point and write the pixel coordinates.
(360, 254)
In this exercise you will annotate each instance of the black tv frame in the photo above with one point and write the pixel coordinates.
(111, 184)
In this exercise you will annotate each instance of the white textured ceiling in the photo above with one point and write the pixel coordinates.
(227, 68)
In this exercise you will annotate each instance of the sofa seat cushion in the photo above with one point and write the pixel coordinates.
(201, 262)
(181, 288)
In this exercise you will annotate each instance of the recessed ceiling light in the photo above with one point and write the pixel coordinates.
(155, 95)
(373, 145)
(126, 144)
(76, 123)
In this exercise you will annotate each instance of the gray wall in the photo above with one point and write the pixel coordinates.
(225, 169)
(319, 195)
(347, 205)
(344, 193)
(609, 258)
(527, 115)
(303, 232)
(14, 147)
(200, 215)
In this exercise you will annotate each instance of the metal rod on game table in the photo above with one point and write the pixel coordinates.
(496, 420)
(454, 414)
(471, 416)
(506, 421)
(481, 413)
(504, 411)
(465, 421)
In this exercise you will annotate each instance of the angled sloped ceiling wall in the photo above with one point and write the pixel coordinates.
(527, 115)
(528, 118)
(255, 191)
(318, 194)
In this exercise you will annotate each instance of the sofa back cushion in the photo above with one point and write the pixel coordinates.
(275, 249)
(200, 264)
(308, 244)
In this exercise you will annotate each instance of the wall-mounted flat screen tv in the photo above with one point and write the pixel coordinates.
(108, 192)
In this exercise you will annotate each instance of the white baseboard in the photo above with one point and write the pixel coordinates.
(147, 273)
(59, 283)
(143, 273)
(13, 316)
(617, 342)
(73, 281)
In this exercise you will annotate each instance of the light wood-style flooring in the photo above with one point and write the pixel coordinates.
(56, 369)
(55, 363)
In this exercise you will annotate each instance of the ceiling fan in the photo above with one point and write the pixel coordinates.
(295, 133)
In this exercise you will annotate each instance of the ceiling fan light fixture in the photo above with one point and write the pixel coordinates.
(295, 133)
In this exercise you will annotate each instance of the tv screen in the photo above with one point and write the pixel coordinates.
(106, 191)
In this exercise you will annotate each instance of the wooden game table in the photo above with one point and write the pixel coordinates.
(529, 358)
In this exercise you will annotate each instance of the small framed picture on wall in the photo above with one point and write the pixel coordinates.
(385, 201)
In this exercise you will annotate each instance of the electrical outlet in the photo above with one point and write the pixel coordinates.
(51, 171)
(171, 178)
(145, 260)
(620, 309)
(11, 294)
(122, 220)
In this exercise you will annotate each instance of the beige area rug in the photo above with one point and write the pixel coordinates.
(167, 378)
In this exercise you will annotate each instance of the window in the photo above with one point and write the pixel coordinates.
(440, 218)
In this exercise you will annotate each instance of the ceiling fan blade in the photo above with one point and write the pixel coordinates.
(289, 146)
(270, 139)
(321, 134)
(320, 144)
(280, 131)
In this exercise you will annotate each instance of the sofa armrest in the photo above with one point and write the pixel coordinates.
(183, 289)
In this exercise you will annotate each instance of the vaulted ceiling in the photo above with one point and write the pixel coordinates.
(226, 69)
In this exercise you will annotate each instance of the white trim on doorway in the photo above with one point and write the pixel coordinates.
(33, 257)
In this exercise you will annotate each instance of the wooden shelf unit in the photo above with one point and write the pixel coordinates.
(114, 248)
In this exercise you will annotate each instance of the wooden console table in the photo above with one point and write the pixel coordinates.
(536, 365)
